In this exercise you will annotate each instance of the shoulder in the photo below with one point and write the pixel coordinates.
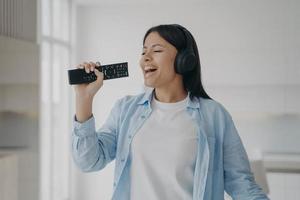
(126, 105)
(213, 108)
(216, 116)
(131, 100)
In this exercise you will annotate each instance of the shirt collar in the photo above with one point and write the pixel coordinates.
(148, 95)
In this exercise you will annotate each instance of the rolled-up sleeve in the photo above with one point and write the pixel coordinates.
(92, 150)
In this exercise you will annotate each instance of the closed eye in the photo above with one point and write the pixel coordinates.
(157, 51)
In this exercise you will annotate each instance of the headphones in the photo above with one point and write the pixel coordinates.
(185, 60)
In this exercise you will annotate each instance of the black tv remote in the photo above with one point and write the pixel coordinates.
(110, 71)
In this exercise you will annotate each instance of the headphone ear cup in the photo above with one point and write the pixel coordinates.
(185, 61)
(178, 63)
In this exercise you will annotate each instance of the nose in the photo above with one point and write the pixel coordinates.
(146, 57)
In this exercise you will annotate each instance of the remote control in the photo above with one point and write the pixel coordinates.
(111, 71)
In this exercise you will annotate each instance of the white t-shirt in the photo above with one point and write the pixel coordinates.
(163, 153)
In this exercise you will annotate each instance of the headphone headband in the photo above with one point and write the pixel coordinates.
(187, 35)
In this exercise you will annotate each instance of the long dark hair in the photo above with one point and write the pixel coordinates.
(172, 34)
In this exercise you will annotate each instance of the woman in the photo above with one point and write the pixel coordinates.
(172, 142)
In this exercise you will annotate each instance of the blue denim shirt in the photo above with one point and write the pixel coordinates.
(221, 163)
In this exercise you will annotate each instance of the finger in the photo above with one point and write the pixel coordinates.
(98, 66)
(80, 66)
(93, 65)
(100, 77)
(99, 74)
(87, 67)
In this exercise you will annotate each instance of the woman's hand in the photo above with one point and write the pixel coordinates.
(88, 90)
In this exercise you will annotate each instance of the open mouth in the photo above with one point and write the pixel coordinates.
(149, 72)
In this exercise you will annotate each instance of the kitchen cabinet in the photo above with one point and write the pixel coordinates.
(19, 119)
(19, 72)
(19, 61)
(9, 176)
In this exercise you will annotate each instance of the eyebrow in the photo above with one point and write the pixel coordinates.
(154, 45)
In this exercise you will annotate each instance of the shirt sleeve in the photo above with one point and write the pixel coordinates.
(239, 180)
(92, 150)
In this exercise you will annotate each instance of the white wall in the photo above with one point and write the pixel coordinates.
(248, 53)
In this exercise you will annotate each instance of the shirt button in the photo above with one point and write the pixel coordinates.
(115, 184)
(143, 116)
(129, 136)
(122, 160)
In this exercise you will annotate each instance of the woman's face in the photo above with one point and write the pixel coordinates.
(157, 62)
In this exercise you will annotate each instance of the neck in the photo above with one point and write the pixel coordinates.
(170, 96)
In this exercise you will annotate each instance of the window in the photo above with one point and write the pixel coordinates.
(56, 48)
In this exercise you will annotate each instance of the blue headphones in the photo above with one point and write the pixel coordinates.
(185, 60)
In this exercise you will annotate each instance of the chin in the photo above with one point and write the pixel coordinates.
(149, 84)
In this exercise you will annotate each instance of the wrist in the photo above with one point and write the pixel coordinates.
(84, 98)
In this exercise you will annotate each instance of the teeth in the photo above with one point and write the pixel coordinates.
(147, 69)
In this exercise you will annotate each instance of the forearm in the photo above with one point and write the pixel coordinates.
(83, 108)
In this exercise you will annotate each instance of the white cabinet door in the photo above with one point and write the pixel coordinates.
(9, 177)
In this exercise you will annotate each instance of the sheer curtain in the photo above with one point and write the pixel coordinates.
(56, 50)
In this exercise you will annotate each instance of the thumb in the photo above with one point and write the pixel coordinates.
(100, 75)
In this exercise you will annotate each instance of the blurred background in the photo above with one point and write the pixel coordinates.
(249, 52)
